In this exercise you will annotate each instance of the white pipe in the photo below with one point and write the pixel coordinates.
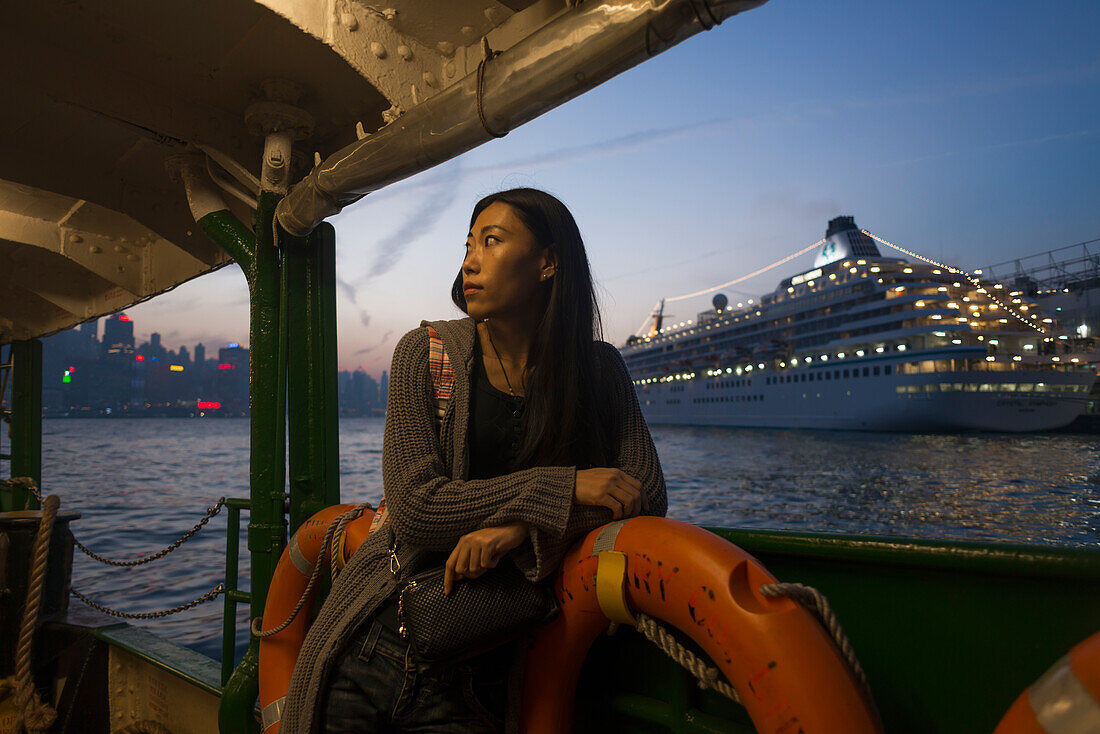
(202, 197)
(275, 173)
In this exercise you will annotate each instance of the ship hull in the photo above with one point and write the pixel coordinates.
(950, 402)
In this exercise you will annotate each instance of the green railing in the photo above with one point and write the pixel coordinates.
(233, 596)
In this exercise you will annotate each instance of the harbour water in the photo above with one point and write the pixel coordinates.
(141, 483)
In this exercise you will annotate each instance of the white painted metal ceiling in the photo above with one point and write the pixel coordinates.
(99, 96)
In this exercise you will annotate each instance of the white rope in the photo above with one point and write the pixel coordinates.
(707, 676)
(34, 715)
(334, 527)
(813, 600)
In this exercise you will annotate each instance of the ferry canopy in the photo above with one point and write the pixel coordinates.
(102, 100)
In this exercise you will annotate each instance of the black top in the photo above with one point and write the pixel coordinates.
(496, 427)
(496, 424)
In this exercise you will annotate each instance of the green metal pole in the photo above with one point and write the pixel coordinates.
(260, 260)
(313, 420)
(267, 519)
(26, 420)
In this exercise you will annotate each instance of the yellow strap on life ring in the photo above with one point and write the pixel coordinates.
(610, 586)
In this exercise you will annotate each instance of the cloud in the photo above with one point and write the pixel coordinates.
(443, 190)
(388, 252)
(385, 338)
(993, 146)
(622, 144)
(787, 203)
(351, 293)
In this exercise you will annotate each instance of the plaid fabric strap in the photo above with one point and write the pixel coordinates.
(443, 381)
(443, 375)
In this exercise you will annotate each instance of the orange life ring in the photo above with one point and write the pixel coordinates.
(279, 652)
(781, 661)
(1064, 699)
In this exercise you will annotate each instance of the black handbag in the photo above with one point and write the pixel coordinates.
(478, 615)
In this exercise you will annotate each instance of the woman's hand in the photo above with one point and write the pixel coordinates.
(481, 550)
(610, 488)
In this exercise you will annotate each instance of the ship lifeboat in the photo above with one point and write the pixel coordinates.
(781, 661)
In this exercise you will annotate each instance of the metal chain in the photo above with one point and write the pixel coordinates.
(210, 513)
(208, 596)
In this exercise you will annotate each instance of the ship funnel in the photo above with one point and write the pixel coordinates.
(843, 239)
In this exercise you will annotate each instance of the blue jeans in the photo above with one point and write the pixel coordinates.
(375, 688)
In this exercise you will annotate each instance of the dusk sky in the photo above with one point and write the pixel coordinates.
(968, 132)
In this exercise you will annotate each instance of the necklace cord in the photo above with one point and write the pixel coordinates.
(496, 351)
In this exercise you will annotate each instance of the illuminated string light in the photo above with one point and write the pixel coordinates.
(753, 274)
(952, 269)
(735, 281)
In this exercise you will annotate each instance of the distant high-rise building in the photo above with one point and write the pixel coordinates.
(384, 390)
(80, 372)
(118, 334)
(89, 341)
(360, 394)
(231, 381)
(120, 385)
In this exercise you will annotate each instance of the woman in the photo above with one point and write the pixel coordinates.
(541, 441)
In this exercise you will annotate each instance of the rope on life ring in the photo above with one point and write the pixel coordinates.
(781, 661)
(339, 528)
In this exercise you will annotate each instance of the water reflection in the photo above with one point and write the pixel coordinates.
(1039, 488)
(141, 483)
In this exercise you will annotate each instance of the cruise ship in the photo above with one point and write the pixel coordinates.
(866, 342)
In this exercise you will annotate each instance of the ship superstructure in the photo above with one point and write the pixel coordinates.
(866, 342)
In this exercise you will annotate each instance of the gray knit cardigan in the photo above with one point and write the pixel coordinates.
(432, 503)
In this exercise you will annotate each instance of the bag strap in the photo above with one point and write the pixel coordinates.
(443, 374)
(443, 380)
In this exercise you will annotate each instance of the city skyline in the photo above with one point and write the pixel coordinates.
(85, 375)
(963, 132)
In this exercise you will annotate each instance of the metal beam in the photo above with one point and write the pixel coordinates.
(577, 51)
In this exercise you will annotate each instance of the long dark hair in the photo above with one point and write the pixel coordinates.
(566, 422)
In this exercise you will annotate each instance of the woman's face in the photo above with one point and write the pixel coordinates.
(504, 265)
